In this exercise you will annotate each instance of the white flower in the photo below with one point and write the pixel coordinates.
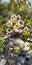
(15, 27)
(19, 21)
(26, 28)
(18, 17)
(13, 17)
(7, 30)
(19, 25)
(9, 23)
(20, 31)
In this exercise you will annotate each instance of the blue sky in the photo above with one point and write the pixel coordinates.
(5, 0)
(8, 1)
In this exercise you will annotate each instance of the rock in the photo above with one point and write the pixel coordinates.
(29, 40)
(27, 59)
(27, 46)
(20, 42)
(10, 44)
(16, 48)
(7, 36)
(18, 63)
(21, 61)
(30, 52)
(11, 62)
(3, 61)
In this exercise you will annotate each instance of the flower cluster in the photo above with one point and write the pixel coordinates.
(14, 24)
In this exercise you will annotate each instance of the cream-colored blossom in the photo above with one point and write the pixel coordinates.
(9, 23)
(13, 17)
(15, 27)
(18, 17)
(7, 31)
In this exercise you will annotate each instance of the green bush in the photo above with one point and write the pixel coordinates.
(26, 35)
(30, 22)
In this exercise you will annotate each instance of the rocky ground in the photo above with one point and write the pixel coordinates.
(23, 58)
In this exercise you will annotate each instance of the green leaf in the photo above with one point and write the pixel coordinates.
(1, 28)
(30, 22)
(1, 44)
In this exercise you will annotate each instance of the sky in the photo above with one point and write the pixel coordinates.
(5, 0)
(31, 2)
(8, 1)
